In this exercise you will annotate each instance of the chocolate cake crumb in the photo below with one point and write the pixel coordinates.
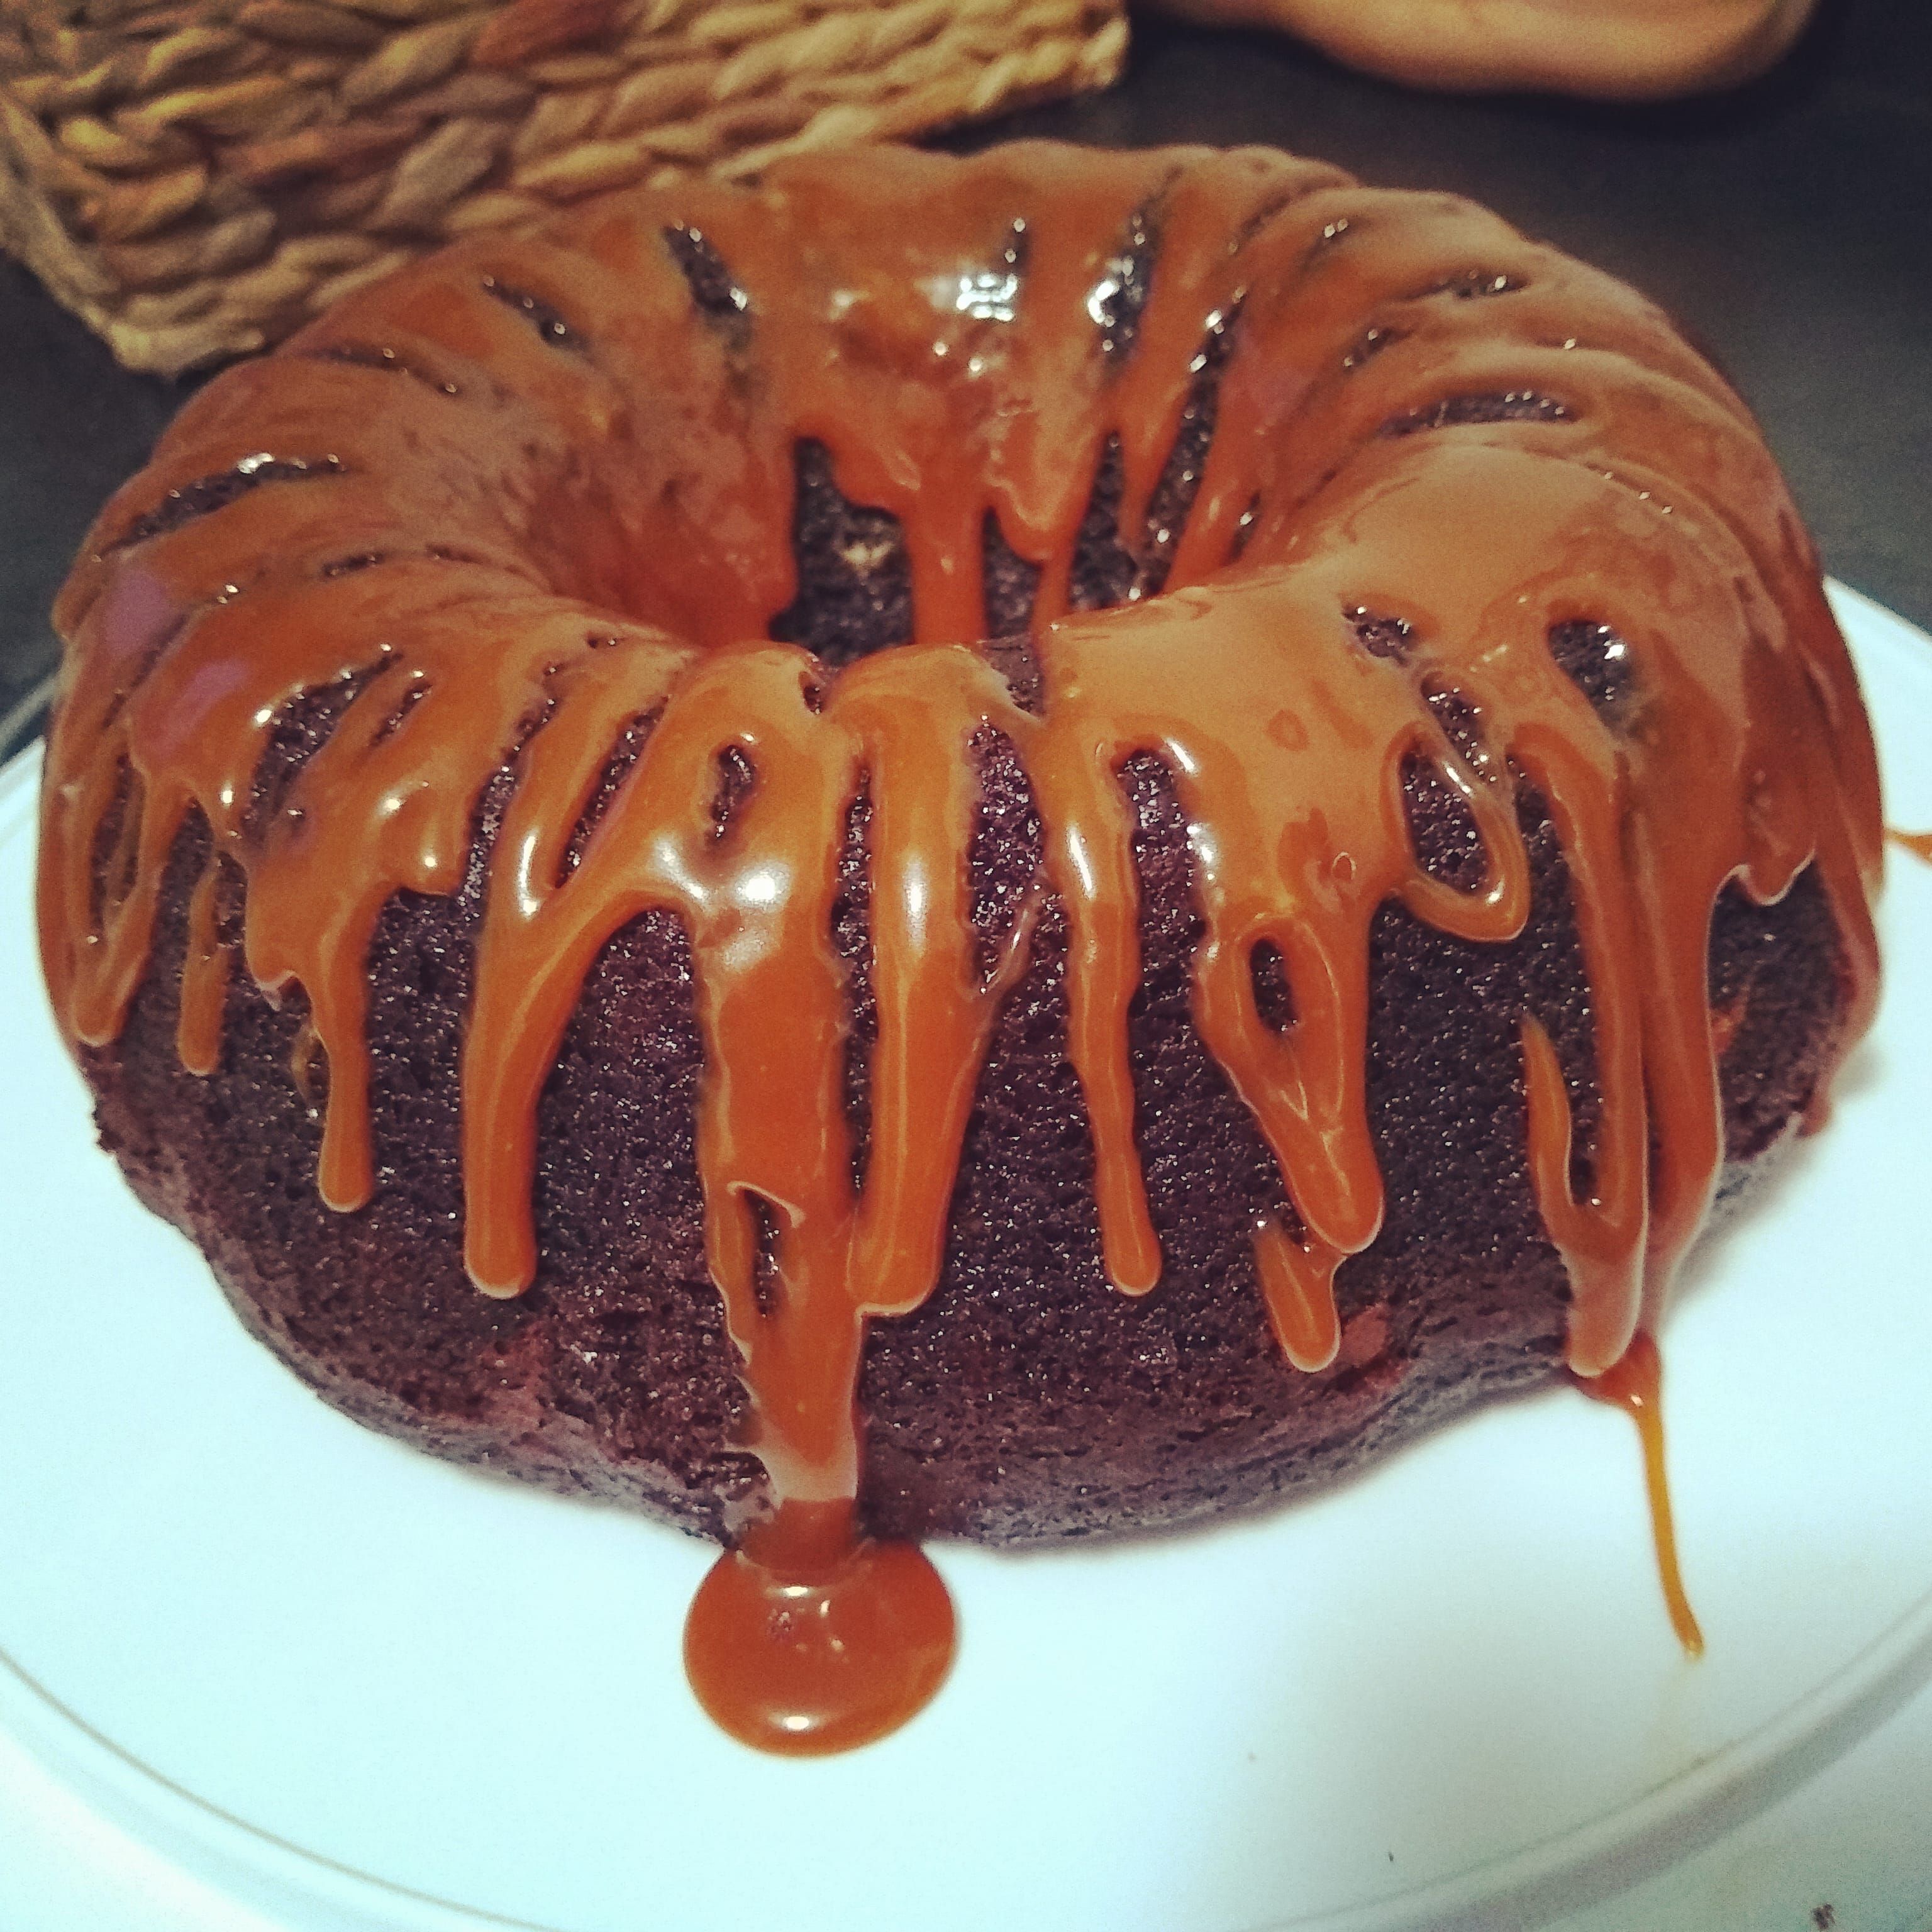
(1381, 637)
(1598, 662)
(301, 729)
(766, 1285)
(1015, 659)
(1173, 499)
(618, 765)
(1104, 569)
(207, 494)
(852, 941)
(1452, 412)
(737, 778)
(714, 289)
(1267, 972)
(854, 579)
(1010, 582)
(1441, 828)
(1008, 847)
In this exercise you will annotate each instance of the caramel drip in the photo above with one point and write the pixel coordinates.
(1918, 844)
(465, 537)
(1298, 1286)
(1635, 1385)
(205, 969)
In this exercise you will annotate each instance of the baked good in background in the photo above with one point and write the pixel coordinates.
(1608, 50)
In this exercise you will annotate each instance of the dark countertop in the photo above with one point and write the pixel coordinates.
(1789, 227)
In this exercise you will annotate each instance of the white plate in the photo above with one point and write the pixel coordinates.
(358, 1688)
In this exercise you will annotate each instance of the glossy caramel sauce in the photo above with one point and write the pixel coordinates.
(534, 491)
(1635, 1385)
(809, 1638)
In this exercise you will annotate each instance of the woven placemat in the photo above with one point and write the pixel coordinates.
(196, 179)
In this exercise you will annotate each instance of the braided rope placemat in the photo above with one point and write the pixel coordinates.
(196, 179)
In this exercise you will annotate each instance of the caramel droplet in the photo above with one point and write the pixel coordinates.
(804, 1642)
(1918, 844)
(1298, 1286)
(1634, 1384)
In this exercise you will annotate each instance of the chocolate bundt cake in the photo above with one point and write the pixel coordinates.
(1012, 847)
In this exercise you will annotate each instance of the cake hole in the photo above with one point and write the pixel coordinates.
(431, 977)
(545, 320)
(308, 1063)
(1172, 501)
(714, 289)
(854, 579)
(619, 763)
(1774, 973)
(1442, 830)
(1115, 303)
(1453, 411)
(368, 356)
(1104, 569)
(1170, 914)
(1268, 974)
(1381, 636)
(1010, 582)
(737, 779)
(1007, 849)
(207, 494)
(619, 1328)
(1016, 661)
(347, 566)
(852, 941)
(1598, 660)
(231, 891)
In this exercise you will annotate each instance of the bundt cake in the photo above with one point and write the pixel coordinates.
(1012, 847)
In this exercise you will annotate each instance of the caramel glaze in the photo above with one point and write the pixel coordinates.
(1918, 844)
(534, 491)
(1635, 1385)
